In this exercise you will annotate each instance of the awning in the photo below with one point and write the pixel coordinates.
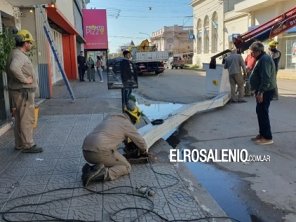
(60, 20)
(29, 3)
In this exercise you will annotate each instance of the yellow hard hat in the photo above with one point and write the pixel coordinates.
(134, 112)
(25, 36)
(272, 43)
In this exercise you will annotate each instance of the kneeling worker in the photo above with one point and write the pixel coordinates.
(100, 146)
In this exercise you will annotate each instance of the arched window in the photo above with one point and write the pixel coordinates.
(198, 36)
(206, 34)
(214, 32)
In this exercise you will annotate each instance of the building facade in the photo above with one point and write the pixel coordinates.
(65, 20)
(216, 21)
(174, 39)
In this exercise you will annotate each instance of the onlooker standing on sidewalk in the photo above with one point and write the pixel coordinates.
(22, 84)
(127, 75)
(103, 62)
(234, 63)
(99, 68)
(100, 146)
(263, 81)
(81, 66)
(90, 69)
(250, 62)
(275, 54)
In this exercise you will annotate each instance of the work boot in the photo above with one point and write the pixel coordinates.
(91, 174)
(18, 148)
(33, 149)
(85, 168)
(101, 176)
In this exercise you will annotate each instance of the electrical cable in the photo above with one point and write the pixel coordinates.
(110, 191)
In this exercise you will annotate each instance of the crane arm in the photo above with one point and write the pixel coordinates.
(263, 32)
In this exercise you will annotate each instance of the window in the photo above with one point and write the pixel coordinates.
(206, 35)
(214, 32)
(291, 54)
(198, 36)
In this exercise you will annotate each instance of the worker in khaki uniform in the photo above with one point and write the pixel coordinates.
(100, 146)
(275, 54)
(235, 63)
(22, 84)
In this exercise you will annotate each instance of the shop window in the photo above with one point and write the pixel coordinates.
(291, 54)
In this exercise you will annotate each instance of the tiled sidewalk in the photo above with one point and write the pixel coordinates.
(59, 167)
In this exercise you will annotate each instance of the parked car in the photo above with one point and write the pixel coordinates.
(175, 62)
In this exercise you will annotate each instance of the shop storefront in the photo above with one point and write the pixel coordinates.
(67, 38)
(290, 55)
(7, 21)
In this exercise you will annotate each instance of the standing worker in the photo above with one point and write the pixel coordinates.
(275, 54)
(263, 82)
(100, 146)
(234, 63)
(22, 84)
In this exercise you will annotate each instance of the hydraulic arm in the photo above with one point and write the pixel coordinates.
(263, 32)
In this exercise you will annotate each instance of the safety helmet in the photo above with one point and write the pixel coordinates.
(133, 111)
(24, 36)
(272, 43)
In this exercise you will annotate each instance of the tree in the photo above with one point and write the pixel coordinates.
(7, 43)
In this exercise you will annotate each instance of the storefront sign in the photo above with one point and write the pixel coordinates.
(95, 29)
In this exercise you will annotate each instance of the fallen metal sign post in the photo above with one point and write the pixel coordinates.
(152, 133)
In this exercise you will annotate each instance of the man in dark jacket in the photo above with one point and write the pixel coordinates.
(128, 76)
(81, 65)
(263, 82)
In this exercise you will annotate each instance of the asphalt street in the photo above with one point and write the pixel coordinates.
(271, 186)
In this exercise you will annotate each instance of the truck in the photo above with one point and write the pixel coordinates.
(263, 32)
(147, 59)
(175, 62)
